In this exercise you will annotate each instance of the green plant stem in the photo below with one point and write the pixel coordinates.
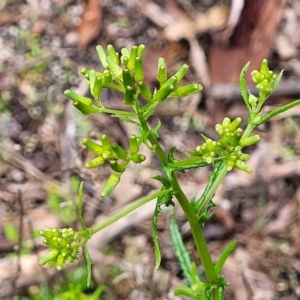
(218, 180)
(197, 233)
(128, 210)
(191, 216)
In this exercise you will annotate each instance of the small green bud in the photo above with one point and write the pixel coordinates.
(235, 124)
(111, 183)
(102, 56)
(145, 91)
(171, 81)
(162, 71)
(124, 60)
(97, 149)
(119, 168)
(113, 54)
(107, 78)
(106, 143)
(60, 262)
(253, 101)
(251, 140)
(181, 72)
(132, 56)
(187, 90)
(52, 254)
(125, 53)
(129, 97)
(141, 49)
(84, 104)
(138, 158)
(96, 162)
(95, 84)
(226, 122)
(138, 70)
(230, 165)
(163, 93)
(133, 145)
(127, 78)
(242, 166)
(85, 72)
(119, 151)
(114, 67)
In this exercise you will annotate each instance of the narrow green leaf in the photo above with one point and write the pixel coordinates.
(243, 85)
(198, 203)
(155, 236)
(225, 254)
(277, 111)
(180, 250)
(80, 205)
(156, 130)
(88, 263)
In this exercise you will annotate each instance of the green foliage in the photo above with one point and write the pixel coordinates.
(124, 72)
(11, 232)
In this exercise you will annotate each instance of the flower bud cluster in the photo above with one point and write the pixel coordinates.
(264, 78)
(64, 244)
(228, 146)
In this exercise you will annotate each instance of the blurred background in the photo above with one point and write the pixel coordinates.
(43, 46)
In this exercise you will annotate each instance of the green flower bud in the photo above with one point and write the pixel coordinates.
(124, 60)
(181, 72)
(163, 93)
(162, 71)
(132, 56)
(125, 53)
(133, 145)
(242, 166)
(85, 72)
(96, 162)
(171, 81)
(60, 262)
(230, 165)
(138, 158)
(141, 49)
(127, 78)
(253, 101)
(114, 67)
(107, 78)
(235, 124)
(244, 156)
(84, 104)
(251, 140)
(138, 70)
(112, 182)
(95, 84)
(145, 91)
(102, 56)
(226, 122)
(119, 168)
(119, 151)
(113, 54)
(51, 255)
(129, 97)
(187, 90)
(106, 144)
(97, 149)
(51, 263)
